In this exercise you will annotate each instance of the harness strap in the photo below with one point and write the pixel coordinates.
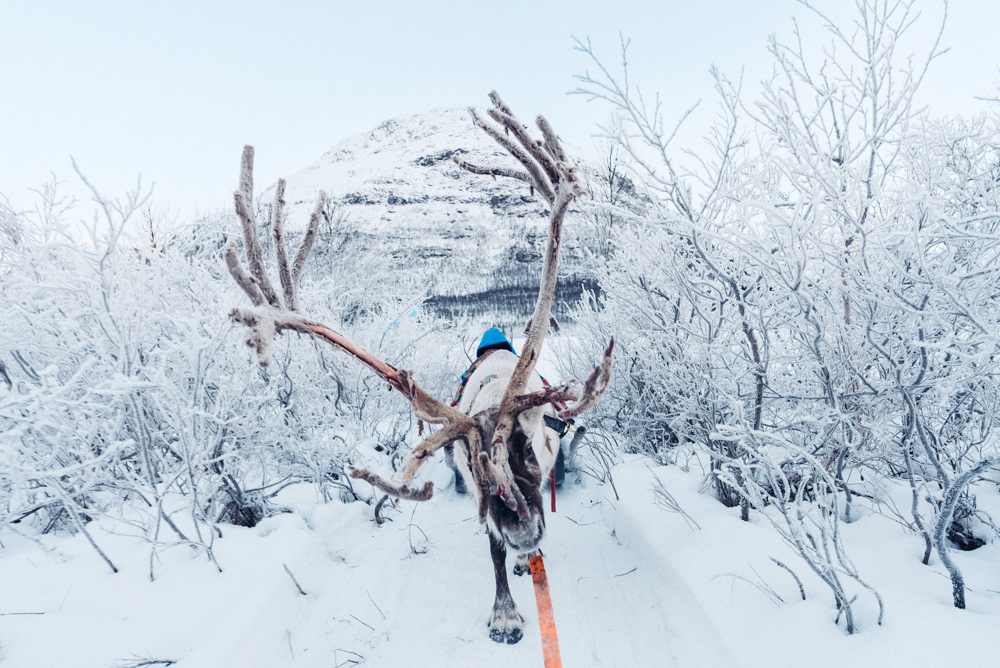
(560, 405)
(559, 426)
(468, 374)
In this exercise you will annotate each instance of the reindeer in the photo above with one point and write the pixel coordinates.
(505, 476)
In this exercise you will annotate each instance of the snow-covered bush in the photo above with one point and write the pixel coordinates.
(125, 393)
(815, 297)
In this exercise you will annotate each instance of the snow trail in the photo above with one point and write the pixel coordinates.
(370, 598)
(613, 606)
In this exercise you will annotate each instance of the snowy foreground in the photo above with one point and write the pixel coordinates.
(632, 584)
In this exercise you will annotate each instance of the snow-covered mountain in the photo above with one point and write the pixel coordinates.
(400, 176)
(474, 242)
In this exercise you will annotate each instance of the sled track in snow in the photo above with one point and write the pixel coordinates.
(370, 600)
(614, 605)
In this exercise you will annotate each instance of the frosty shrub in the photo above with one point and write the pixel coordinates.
(814, 295)
(126, 396)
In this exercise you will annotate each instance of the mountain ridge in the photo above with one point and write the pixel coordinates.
(473, 242)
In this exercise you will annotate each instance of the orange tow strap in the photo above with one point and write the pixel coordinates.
(546, 618)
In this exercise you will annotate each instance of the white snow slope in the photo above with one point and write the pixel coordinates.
(369, 597)
(401, 175)
(632, 585)
(453, 233)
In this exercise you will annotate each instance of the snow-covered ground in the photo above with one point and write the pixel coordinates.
(382, 596)
(767, 623)
(632, 585)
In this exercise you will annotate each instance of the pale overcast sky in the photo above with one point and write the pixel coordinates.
(174, 89)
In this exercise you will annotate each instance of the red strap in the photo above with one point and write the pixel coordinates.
(552, 485)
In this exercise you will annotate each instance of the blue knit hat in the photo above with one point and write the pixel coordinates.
(492, 337)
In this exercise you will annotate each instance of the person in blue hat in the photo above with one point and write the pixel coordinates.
(493, 339)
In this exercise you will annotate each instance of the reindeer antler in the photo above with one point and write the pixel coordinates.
(548, 172)
(545, 170)
(268, 317)
(583, 396)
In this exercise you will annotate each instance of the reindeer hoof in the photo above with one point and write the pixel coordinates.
(511, 638)
(506, 624)
(523, 566)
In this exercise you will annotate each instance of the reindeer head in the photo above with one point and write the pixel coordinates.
(515, 515)
(510, 477)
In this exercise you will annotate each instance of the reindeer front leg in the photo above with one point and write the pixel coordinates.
(506, 622)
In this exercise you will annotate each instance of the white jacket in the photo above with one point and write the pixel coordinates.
(485, 388)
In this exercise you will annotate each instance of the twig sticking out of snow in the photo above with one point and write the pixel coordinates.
(338, 664)
(375, 604)
(666, 500)
(365, 623)
(761, 586)
(140, 663)
(415, 549)
(297, 585)
(802, 590)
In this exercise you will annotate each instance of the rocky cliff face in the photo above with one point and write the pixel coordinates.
(474, 243)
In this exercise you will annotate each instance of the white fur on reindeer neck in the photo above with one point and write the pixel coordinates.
(485, 388)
